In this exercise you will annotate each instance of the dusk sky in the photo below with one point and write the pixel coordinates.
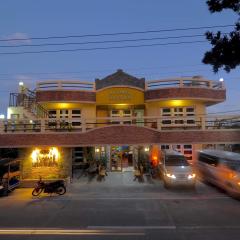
(33, 19)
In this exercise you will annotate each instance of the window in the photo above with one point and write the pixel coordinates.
(179, 115)
(166, 121)
(63, 113)
(126, 112)
(190, 109)
(178, 121)
(76, 124)
(175, 160)
(166, 111)
(115, 112)
(190, 121)
(210, 160)
(165, 147)
(52, 113)
(76, 111)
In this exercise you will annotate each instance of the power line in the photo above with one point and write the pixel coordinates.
(97, 42)
(102, 70)
(117, 33)
(100, 48)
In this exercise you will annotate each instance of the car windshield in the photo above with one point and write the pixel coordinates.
(176, 160)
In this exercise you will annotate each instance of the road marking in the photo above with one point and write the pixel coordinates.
(170, 227)
(108, 230)
(69, 232)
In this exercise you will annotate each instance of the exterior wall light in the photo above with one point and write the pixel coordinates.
(97, 150)
(221, 80)
(146, 149)
(20, 83)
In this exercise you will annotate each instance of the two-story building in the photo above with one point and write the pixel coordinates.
(120, 120)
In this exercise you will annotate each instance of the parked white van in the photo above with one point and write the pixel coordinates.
(175, 169)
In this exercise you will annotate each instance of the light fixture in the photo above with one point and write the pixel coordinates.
(20, 83)
(2, 116)
(97, 150)
(221, 80)
(30, 121)
(146, 149)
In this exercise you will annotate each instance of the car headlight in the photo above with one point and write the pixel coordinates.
(171, 175)
(191, 176)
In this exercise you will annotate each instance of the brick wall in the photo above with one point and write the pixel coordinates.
(65, 96)
(185, 93)
(118, 135)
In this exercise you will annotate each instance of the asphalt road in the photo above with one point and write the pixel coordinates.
(121, 209)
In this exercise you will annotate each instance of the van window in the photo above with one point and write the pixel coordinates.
(211, 160)
(233, 165)
(176, 160)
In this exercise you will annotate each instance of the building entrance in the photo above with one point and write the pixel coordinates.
(121, 158)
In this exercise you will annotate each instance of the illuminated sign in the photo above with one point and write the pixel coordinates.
(120, 95)
(45, 157)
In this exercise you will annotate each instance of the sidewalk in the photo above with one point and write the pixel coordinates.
(115, 179)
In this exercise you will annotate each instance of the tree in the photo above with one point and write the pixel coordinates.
(225, 52)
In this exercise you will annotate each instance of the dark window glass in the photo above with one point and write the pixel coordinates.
(166, 110)
(178, 122)
(115, 112)
(166, 122)
(76, 111)
(210, 160)
(191, 121)
(175, 160)
(178, 110)
(126, 111)
(63, 111)
(75, 124)
(189, 109)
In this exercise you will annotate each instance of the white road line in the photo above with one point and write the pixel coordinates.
(68, 232)
(108, 230)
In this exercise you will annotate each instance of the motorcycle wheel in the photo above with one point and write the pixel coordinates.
(36, 191)
(61, 190)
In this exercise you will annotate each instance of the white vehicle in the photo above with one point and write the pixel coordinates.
(220, 168)
(175, 170)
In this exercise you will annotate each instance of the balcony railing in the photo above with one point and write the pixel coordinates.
(184, 82)
(65, 85)
(150, 85)
(204, 122)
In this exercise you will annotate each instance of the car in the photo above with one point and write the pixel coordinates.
(175, 169)
(220, 168)
(9, 175)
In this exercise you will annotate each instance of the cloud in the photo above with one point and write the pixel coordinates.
(18, 35)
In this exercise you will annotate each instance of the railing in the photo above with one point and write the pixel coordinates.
(184, 82)
(197, 82)
(65, 85)
(27, 100)
(204, 122)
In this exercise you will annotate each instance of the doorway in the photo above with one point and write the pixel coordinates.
(121, 158)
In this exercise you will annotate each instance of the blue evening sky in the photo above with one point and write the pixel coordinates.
(76, 17)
